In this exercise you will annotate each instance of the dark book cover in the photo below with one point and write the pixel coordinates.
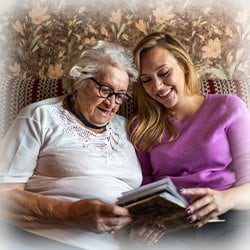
(158, 210)
(157, 203)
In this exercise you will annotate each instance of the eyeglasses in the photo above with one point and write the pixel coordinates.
(106, 92)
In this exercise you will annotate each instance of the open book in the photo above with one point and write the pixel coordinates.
(157, 203)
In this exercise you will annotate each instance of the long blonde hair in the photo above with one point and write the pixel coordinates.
(151, 119)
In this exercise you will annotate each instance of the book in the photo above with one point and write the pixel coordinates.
(157, 203)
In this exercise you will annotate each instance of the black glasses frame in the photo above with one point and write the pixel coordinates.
(110, 92)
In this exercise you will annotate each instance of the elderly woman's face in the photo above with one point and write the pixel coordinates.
(98, 110)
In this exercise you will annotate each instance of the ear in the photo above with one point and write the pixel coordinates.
(185, 70)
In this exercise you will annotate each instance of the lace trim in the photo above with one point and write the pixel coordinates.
(111, 144)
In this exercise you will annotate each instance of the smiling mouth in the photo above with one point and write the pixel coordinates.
(166, 93)
(105, 111)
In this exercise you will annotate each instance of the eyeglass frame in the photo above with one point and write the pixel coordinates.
(125, 97)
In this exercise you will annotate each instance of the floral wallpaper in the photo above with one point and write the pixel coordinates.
(37, 38)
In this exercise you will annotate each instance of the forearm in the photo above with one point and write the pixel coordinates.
(209, 203)
(30, 210)
(239, 197)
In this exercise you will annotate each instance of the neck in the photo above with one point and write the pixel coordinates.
(81, 117)
(187, 108)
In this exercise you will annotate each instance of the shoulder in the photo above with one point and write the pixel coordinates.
(226, 101)
(118, 123)
(41, 105)
(225, 97)
(229, 107)
(119, 120)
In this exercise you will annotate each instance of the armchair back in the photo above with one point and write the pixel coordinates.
(15, 94)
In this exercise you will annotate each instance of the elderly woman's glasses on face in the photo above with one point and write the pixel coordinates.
(106, 92)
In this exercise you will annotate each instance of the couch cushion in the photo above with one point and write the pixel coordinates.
(223, 86)
(15, 94)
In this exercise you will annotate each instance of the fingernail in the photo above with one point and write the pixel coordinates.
(190, 219)
(181, 190)
(189, 211)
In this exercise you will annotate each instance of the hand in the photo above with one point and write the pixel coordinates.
(206, 204)
(96, 216)
(147, 234)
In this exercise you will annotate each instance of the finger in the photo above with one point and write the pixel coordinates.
(201, 203)
(154, 238)
(114, 211)
(120, 211)
(140, 234)
(111, 228)
(137, 232)
(203, 218)
(195, 191)
(118, 222)
(201, 221)
(150, 235)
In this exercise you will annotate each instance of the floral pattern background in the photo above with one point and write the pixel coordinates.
(37, 38)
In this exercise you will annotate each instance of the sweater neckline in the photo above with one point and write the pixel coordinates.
(190, 118)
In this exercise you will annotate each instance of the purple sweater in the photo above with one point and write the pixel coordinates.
(213, 149)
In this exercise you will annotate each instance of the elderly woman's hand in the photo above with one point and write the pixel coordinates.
(95, 216)
(147, 234)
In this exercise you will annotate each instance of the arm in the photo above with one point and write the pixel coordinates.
(144, 158)
(19, 152)
(209, 203)
(30, 210)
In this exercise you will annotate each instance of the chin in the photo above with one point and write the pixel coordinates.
(101, 123)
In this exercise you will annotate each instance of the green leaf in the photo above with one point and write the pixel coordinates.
(113, 28)
(33, 42)
(125, 37)
(121, 30)
(217, 72)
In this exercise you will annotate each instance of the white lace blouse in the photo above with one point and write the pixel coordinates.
(47, 149)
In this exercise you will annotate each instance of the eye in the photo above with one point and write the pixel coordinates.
(145, 80)
(165, 73)
(105, 89)
(120, 97)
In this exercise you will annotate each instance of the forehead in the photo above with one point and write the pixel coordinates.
(115, 77)
(156, 57)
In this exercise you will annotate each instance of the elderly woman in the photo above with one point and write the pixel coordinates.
(65, 160)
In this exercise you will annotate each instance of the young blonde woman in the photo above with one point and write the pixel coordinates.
(200, 142)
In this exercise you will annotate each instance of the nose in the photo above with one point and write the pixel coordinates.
(157, 83)
(111, 100)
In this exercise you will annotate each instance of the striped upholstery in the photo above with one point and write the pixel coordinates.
(15, 94)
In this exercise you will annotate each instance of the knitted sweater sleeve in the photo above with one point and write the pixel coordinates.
(239, 138)
(144, 158)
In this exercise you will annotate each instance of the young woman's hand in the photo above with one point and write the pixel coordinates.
(206, 204)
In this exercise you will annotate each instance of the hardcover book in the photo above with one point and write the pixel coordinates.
(157, 203)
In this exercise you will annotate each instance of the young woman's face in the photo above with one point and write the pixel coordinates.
(98, 110)
(163, 78)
